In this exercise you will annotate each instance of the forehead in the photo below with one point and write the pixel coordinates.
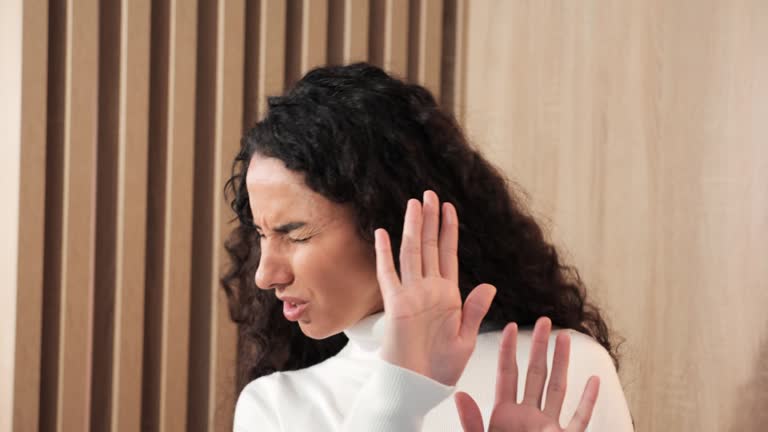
(277, 194)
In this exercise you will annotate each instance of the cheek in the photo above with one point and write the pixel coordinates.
(336, 274)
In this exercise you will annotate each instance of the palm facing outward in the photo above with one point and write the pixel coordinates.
(510, 416)
(429, 331)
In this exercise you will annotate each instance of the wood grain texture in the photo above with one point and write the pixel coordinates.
(426, 43)
(638, 129)
(169, 223)
(70, 218)
(31, 241)
(388, 45)
(453, 62)
(213, 345)
(131, 200)
(348, 31)
(272, 43)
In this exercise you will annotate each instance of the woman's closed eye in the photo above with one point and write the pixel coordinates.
(291, 239)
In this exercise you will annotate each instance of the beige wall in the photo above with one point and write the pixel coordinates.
(10, 155)
(640, 130)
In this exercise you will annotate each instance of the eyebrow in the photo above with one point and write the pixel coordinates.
(286, 228)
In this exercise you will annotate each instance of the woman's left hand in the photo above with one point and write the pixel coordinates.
(428, 330)
(527, 416)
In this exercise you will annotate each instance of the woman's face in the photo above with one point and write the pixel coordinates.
(310, 250)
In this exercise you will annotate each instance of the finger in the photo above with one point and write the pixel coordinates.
(385, 266)
(558, 379)
(537, 364)
(583, 413)
(469, 412)
(475, 307)
(431, 226)
(449, 243)
(506, 374)
(410, 248)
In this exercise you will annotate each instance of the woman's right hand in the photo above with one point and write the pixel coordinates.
(510, 416)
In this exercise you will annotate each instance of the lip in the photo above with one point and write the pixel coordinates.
(295, 300)
(291, 312)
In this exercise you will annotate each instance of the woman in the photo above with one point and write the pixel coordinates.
(338, 335)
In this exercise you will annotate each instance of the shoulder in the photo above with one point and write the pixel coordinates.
(587, 353)
(256, 403)
(267, 400)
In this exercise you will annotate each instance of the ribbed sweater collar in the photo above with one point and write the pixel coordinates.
(368, 333)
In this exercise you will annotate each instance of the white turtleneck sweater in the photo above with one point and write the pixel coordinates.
(357, 391)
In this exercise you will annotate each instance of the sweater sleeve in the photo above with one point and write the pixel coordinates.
(394, 399)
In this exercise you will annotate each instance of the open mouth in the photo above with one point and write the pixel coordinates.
(293, 311)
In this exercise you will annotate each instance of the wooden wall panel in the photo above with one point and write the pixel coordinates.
(307, 37)
(106, 213)
(29, 301)
(133, 111)
(272, 44)
(426, 43)
(348, 22)
(213, 348)
(68, 288)
(229, 128)
(170, 216)
(131, 200)
(638, 129)
(454, 57)
(389, 35)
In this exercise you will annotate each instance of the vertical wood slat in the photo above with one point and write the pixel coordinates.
(200, 307)
(106, 213)
(388, 45)
(170, 216)
(53, 212)
(336, 31)
(314, 34)
(272, 44)
(307, 37)
(356, 30)
(454, 58)
(251, 54)
(131, 216)
(66, 374)
(177, 216)
(121, 215)
(426, 42)
(220, 86)
(229, 109)
(29, 301)
(348, 31)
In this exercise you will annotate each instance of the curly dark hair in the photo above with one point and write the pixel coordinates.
(362, 137)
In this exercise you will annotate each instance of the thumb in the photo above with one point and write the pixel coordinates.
(385, 264)
(469, 412)
(475, 307)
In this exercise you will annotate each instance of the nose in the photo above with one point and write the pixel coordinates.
(274, 269)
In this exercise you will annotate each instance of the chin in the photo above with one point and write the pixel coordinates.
(313, 331)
